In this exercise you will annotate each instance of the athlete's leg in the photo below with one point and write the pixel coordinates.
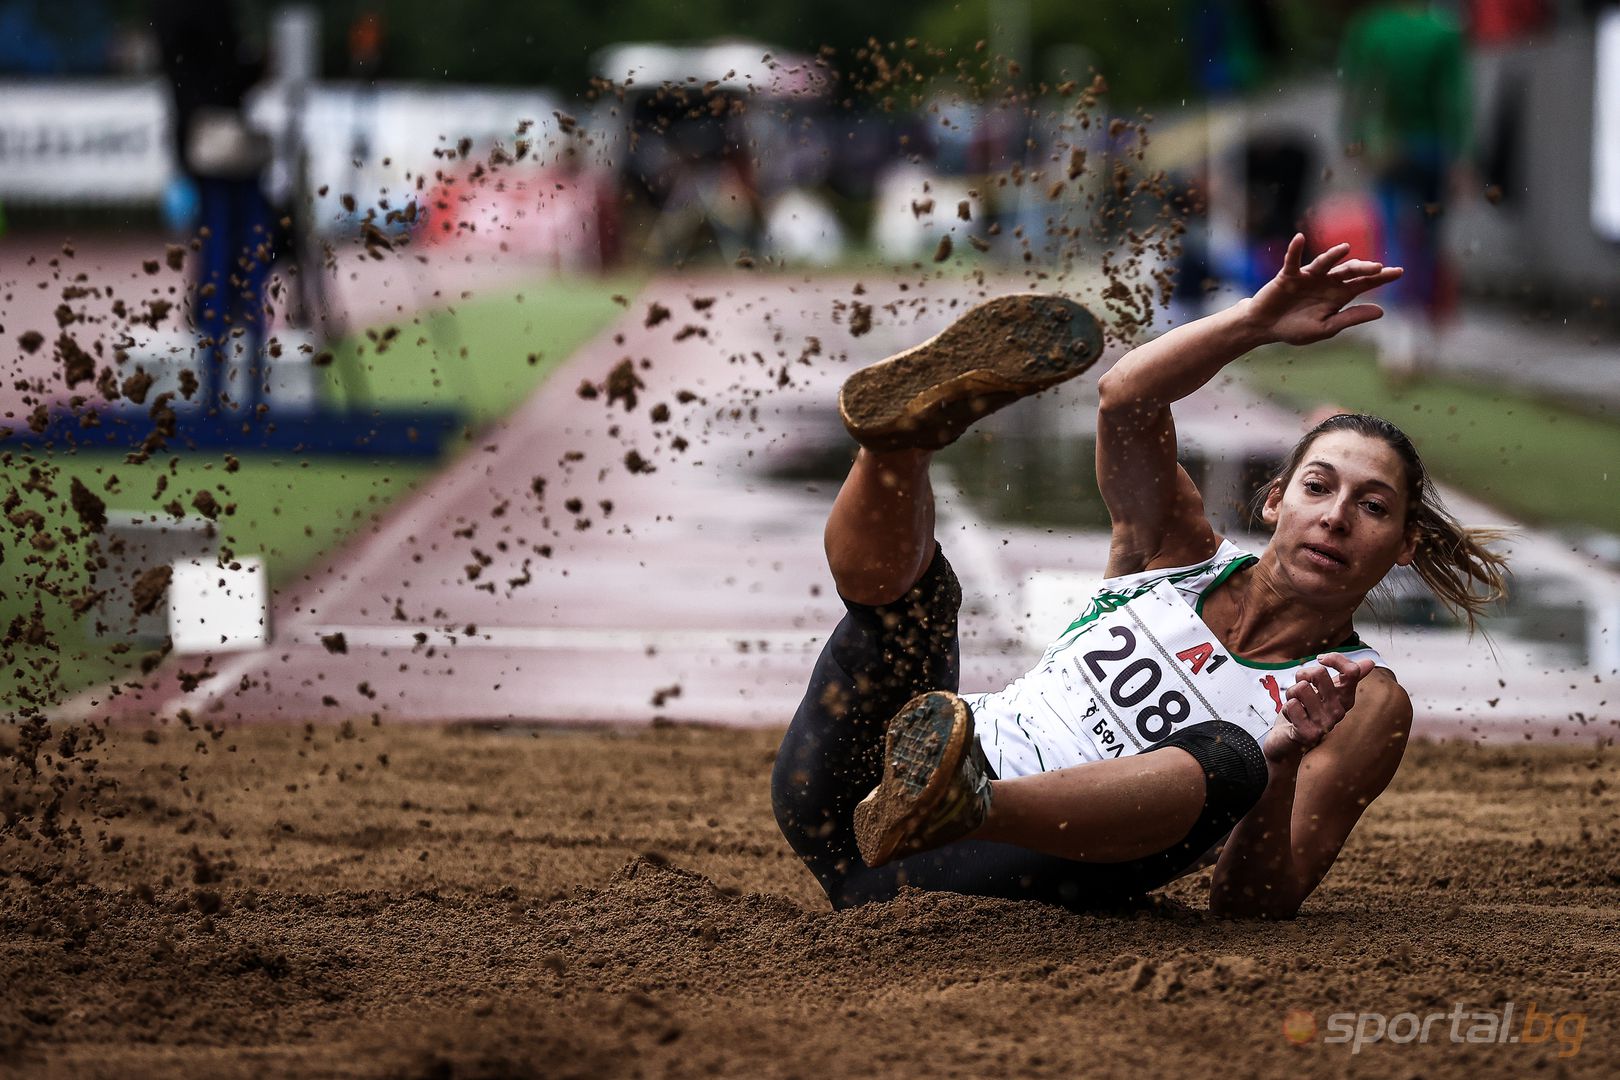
(898, 637)
(900, 410)
(880, 534)
(1086, 837)
(877, 658)
(1102, 811)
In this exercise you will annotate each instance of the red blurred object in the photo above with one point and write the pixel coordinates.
(1346, 218)
(365, 43)
(1503, 22)
(568, 217)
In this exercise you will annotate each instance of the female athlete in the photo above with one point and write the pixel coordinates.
(1277, 725)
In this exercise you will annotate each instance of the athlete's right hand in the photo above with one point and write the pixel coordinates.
(1313, 706)
(1309, 302)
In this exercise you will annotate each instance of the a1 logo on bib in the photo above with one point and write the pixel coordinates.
(1153, 667)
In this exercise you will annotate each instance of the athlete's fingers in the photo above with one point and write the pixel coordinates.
(1322, 702)
(1353, 316)
(1296, 251)
(1323, 262)
(1320, 678)
(1388, 274)
(1349, 671)
(1305, 731)
(1354, 268)
(1296, 713)
(1309, 697)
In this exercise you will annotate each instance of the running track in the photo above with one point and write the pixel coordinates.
(706, 576)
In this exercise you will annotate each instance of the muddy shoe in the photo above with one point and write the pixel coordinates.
(936, 784)
(1000, 351)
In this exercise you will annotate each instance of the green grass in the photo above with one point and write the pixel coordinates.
(484, 355)
(291, 512)
(1546, 463)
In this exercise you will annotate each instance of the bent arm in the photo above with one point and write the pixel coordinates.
(1158, 515)
(1284, 847)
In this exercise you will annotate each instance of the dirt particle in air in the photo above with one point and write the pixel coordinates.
(77, 365)
(136, 385)
(622, 384)
(149, 588)
(90, 507)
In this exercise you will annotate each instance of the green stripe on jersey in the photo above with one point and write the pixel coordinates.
(1104, 602)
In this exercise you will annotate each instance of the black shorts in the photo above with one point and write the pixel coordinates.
(832, 756)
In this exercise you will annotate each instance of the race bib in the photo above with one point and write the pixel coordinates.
(1153, 667)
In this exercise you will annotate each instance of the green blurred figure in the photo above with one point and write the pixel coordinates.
(1406, 104)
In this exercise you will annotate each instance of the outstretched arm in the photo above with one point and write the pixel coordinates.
(1158, 515)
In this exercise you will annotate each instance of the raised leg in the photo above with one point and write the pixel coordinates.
(880, 534)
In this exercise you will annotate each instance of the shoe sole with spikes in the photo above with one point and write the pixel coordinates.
(923, 799)
(1000, 351)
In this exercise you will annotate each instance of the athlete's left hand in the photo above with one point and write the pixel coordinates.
(1313, 706)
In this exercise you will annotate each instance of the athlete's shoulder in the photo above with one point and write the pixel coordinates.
(1382, 702)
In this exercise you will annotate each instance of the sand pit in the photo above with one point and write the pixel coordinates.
(422, 903)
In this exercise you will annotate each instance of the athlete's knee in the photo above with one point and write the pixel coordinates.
(1235, 771)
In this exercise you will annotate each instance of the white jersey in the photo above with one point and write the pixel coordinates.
(1137, 665)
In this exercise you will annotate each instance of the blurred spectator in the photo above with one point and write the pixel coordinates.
(209, 75)
(1231, 43)
(1277, 173)
(1406, 104)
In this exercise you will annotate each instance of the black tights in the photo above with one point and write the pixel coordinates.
(832, 756)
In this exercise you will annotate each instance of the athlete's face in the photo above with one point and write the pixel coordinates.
(1340, 523)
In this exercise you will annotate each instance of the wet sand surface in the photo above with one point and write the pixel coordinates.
(421, 902)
